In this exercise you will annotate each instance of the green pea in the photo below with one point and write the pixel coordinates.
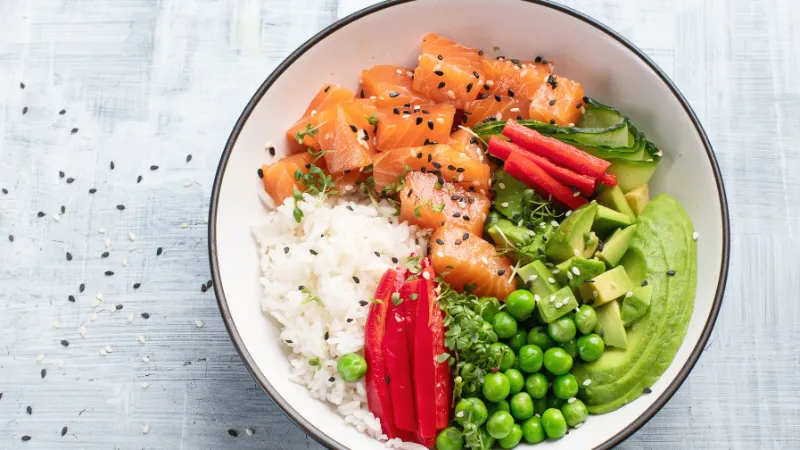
(489, 306)
(533, 431)
(554, 402)
(538, 336)
(530, 358)
(554, 424)
(536, 385)
(450, 439)
(502, 405)
(351, 367)
(585, 319)
(513, 438)
(486, 440)
(504, 325)
(562, 329)
(522, 406)
(495, 387)
(557, 361)
(471, 409)
(520, 304)
(539, 405)
(505, 353)
(500, 424)
(590, 347)
(565, 386)
(571, 348)
(516, 380)
(575, 413)
(519, 339)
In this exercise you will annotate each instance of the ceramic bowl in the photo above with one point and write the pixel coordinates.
(610, 68)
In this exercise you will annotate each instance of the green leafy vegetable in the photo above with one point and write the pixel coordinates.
(308, 131)
(373, 119)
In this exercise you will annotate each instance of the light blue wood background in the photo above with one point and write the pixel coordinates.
(147, 82)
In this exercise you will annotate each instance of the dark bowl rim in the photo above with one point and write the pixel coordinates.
(304, 424)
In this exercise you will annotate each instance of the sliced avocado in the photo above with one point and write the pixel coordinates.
(556, 304)
(591, 242)
(632, 174)
(609, 325)
(607, 220)
(505, 234)
(616, 246)
(638, 198)
(612, 197)
(663, 242)
(568, 239)
(635, 305)
(574, 271)
(510, 195)
(537, 276)
(607, 286)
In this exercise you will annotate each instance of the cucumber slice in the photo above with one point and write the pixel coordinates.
(632, 174)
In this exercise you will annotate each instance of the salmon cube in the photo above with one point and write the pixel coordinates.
(412, 127)
(427, 202)
(558, 101)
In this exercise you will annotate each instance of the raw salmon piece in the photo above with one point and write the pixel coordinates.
(494, 107)
(345, 135)
(415, 126)
(514, 78)
(471, 261)
(328, 95)
(448, 72)
(435, 45)
(391, 86)
(558, 101)
(453, 165)
(279, 180)
(425, 202)
(463, 141)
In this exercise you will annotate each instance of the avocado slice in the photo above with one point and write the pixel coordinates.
(616, 246)
(591, 242)
(632, 174)
(635, 305)
(537, 277)
(505, 234)
(607, 220)
(612, 197)
(510, 195)
(556, 304)
(574, 271)
(568, 239)
(638, 198)
(663, 241)
(607, 286)
(609, 325)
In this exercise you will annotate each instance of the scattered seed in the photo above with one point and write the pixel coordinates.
(136, 285)
(356, 280)
(22, 85)
(69, 256)
(146, 429)
(198, 323)
(43, 373)
(40, 214)
(26, 438)
(71, 298)
(65, 343)
(109, 273)
(92, 190)
(145, 315)
(671, 272)
(73, 131)
(647, 390)
(138, 179)
(62, 112)
(63, 431)
(203, 288)
(29, 410)
(154, 167)
(233, 432)
(118, 307)
(121, 207)
(11, 238)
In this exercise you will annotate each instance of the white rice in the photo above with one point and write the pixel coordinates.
(345, 243)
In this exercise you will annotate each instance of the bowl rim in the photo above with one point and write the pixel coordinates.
(238, 342)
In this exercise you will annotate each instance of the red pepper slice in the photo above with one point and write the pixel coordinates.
(398, 365)
(534, 176)
(442, 376)
(559, 152)
(425, 359)
(410, 310)
(377, 377)
(609, 179)
(501, 149)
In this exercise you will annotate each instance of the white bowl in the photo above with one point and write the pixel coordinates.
(610, 68)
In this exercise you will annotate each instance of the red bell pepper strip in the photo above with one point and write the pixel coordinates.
(377, 378)
(410, 311)
(398, 366)
(498, 147)
(425, 359)
(609, 179)
(531, 174)
(559, 152)
(442, 376)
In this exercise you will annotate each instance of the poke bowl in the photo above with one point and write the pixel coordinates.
(472, 236)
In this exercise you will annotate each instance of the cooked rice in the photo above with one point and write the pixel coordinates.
(345, 243)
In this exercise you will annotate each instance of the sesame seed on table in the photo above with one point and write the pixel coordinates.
(113, 121)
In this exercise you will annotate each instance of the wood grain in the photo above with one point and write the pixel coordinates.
(147, 83)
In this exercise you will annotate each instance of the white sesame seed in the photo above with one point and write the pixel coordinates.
(108, 349)
(93, 318)
(514, 110)
(504, 204)
(587, 382)
(372, 97)
(451, 95)
(576, 194)
(399, 71)
(549, 264)
(348, 188)
(187, 183)
(437, 67)
(556, 270)
(439, 120)
(101, 230)
(569, 275)
(576, 252)
(551, 280)
(498, 116)
(57, 217)
(426, 275)
(145, 359)
(250, 431)
(198, 323)
(552, 298)
(100, 296)
(489, 83)
(536, 297)
(124, 261)
(554, 223)
(613, 284)
(533, 277)
(578, 425)
(460, 177)
(629, 294)
(141, 339)
(559, 305)
(501, 185)
(695, 235)
(108, 243)
(595, 293)
(146, 429)
(205, 220)
(406, 116)
(460, 414)
(131, 236)
(576, 271)
(523, 73)
(184, 225)
(130, 318)
(145, 385)
(40, 358)
(103, 352)
(82, 331)
(268, 144)
(56, 325)
(571, 400)
(577, 309)
(569, 213)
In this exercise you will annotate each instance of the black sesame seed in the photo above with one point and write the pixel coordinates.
(440, 85)
(475, 74)
(121, 207)
(111, 165)
(419, 155)
(410, 191)
(81, 288)
(73, 131)
(439, 57)
(118, 307)
(348, 207)
(602, 333)
(159, 251)
(26, 438)
(233, 432)
(63, 431)
(43, 373)
(466, 218)
(138, 179)
(501, 272)
(349, 320)
(331, 379)
(469, 87)
(579, 105)
(10, 238)
(363, 303)
(396, 110)
(353, 128)
(203, 288)
(92, 190)
(430, 157)
(313, 252)
(29, 410)
(552, 102)
(104, 255)
(647, 390)
(62, 112)
(378, 254)
(538, 59)
(393, 94)
(326, 336)
(71, 298)
(5, 191)
(671, 272)
(65, 343)
(419, 120)
(153, 167)
(288, 341)
(145, 315)
(70, 180)
(552, 121)
(585, 99)
(69, 256)
(109, 273)
(209, 283)
(514, 60)
(510, 92)
(189, 156)
(483, 96)
(458, 242)
(451, 167)
(456, 214)
(540, 250)
(327, 88)
(395, 260)
(439, 73)
(137, 285)
(439, 241)
(355, 278)
(436, 165)
(22, 85)
(466, 236)
(480, 52)
(440, 180)
(497, 98)
(644, 283)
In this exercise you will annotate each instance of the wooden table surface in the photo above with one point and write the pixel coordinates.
(145, 83)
